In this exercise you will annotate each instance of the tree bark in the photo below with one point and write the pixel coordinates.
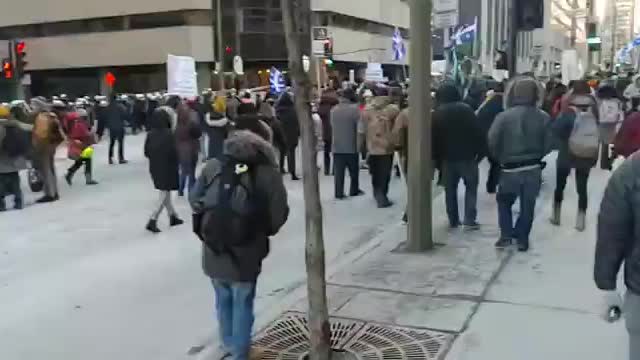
(295, 17)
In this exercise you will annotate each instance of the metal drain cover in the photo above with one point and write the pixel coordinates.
(288, 339)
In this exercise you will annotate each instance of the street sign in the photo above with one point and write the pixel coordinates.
(306, 63)
(446, 19)
(238, 65)
(440, 6)
(320, 35)
(110, 79)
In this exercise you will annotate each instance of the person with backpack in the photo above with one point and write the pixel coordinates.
(188, 133)
(519, 139)
(80, 139)
(14, 146)
(47, 135)
(161, 150)
(577, 133)
(611, 116)
(239, 202)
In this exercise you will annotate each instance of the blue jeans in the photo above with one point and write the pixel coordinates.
(523, 185)
(467, 171)
(187, 176)
(234, 308)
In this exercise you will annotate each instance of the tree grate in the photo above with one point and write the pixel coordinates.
(288, 339)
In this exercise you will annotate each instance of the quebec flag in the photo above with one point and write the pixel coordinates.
(399, 50)
(276, 81)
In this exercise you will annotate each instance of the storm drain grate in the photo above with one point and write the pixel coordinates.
(288, 339)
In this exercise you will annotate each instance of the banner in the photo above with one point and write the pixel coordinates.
(181, 76)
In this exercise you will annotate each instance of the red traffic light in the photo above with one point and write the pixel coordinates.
(228, 50)
(21, 47)
(7, 69)
(110, 79)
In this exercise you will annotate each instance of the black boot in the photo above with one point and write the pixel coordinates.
(152, 226)
(174, 220)
(46, 199)
(69, 178)
(89, 180)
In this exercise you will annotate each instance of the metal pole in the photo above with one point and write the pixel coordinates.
(512, 52)
(420, 237)
(218, 34)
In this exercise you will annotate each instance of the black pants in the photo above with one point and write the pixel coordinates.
(342, 162)
(606, 161)
(76, 165)
(327, 157)
(494, 176)
(290, 154)
(582, 177)
(119, 137)
(380, 168)
(10, 185)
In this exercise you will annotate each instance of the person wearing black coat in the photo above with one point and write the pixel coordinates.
(286, 113)
(328, 100)
(113, 117)
(486, 115)
(161, 150)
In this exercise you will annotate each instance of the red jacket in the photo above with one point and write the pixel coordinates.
(79, 136)
(628, 138)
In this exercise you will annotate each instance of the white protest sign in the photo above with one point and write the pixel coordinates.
(181, 76)
(374, 72)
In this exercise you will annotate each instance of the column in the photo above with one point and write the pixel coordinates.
(203, 69)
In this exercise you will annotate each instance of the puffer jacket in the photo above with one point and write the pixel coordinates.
(378, 121)
(246, 262)
(521, 134)
(619, 229)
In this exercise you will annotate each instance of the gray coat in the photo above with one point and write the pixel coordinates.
(522, 132)
(619, 229)
(345, 118)
(15, 164)
(244, 146)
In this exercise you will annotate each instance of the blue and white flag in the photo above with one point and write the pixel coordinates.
(466, 34)
(276, 81)
(399, 50)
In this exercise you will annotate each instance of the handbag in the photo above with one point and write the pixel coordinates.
(35, 180)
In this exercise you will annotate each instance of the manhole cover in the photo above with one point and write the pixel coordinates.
(288, 339)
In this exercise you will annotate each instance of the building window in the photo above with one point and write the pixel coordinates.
(490, 20)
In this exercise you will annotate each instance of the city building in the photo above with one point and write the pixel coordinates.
(72, 44)
(618, 27)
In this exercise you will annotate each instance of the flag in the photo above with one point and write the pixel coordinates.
(276, 81)
(466, 34)
(399, 50)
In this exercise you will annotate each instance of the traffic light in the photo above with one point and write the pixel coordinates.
(530, 14)
(328, 48)
(328, 62)
(21, 54)
(7, 69)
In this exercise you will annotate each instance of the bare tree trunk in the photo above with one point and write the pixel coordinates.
(294, 18)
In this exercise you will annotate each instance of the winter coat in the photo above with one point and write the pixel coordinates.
(113, 117)
(327, 102)
(377, 124)
(232, 107)
(457, 135)
(632, 90)
(487, 114)
(161, 150)
(248, 147)
(628, 138)
(345, 118)
(521, 134)
(79, 138)
(188, 135)
(286, 113)
(562, 128)
(47, 132)
(11, 164)
(217, 127)
(618, 234)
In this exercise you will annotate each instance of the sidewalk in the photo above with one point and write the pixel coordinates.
(468, 301)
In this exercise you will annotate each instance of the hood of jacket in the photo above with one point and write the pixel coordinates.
(523, 90)
(244, 145)
(163, 117)
(380, 102)
(447, 94)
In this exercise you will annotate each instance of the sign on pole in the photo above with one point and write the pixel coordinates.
(320, 35)
(374, 72)
(181, 76)
(446, 13)
(238, 65)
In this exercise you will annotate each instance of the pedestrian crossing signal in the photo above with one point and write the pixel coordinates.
(7, 69)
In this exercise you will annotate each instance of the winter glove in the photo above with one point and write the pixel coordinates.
(612, 306)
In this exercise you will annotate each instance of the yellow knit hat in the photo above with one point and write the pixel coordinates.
(4, 112)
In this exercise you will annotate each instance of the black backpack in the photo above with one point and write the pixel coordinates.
(238, 215)
(16, 141)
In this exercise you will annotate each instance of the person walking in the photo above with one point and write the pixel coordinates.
(618, 241)
(113, 118)
(216, 127)
(611, 116)
(577, 136)
(286, 113)
(519, 139)
(14, 147)
(487, 114)
(328, 100)
(376, 126)
(46, 136)
(80, 140)
(344, 118)
(627, 139)
(188, 135)
(161, 150)
(458, 143)
(239, 202)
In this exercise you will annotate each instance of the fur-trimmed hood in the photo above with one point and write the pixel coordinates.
(243, 145)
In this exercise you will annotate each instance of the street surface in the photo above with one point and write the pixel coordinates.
(82, 279)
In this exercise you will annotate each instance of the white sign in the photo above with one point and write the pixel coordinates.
(306, 63)
(26, 79)
(374, 72)
(571, 68)
(440, 6)
(181, 76)
(238, 65)
(537, 50)
(446, 19)
(352, 76)
(320, 35)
